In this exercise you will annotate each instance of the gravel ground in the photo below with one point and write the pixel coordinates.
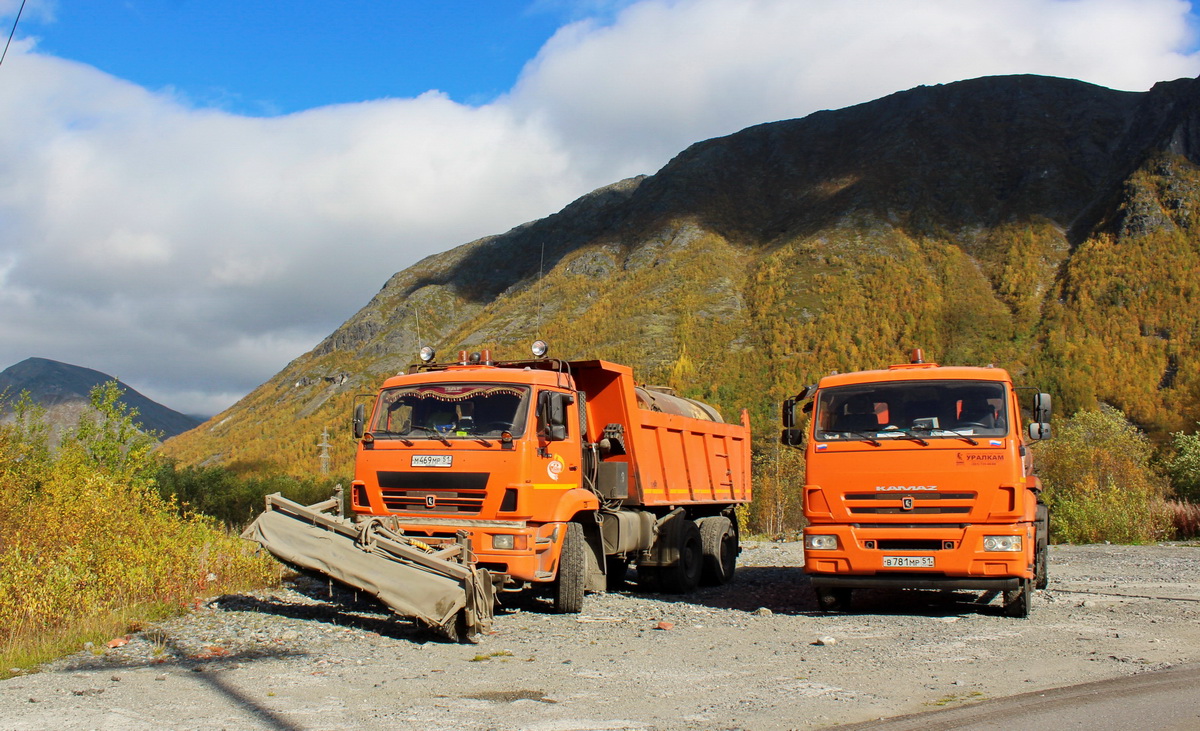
(754, 654)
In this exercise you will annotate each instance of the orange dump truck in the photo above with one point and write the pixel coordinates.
(920, 477)
(479, 476)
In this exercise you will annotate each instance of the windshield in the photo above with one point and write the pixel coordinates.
(921, 409)
(449, 411)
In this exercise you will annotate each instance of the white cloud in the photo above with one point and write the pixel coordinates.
(194, 252)
(666, 74)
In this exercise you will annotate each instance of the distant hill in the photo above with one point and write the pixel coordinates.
(63, 389)
(1045, 225)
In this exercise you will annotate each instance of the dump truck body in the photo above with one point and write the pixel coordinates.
(545, 473)
(921, 477)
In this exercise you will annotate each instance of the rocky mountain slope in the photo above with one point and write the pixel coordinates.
(1042, 224)
(63, 389)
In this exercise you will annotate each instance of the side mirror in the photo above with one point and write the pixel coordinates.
(788, 417)
(1041, 407)
(1039, 430)
(359, 420)
(792, 437)
(552, 415)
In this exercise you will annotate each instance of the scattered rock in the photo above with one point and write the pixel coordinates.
(826, 642)
(665, 625)
(762, 612)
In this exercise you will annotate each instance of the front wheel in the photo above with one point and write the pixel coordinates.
(572, 569)
(1041, 573)
(1018, 603)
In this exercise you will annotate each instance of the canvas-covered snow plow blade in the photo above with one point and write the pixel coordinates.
(436, 585)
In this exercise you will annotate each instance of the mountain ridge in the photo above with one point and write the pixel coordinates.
(977, 219)
(53, 384)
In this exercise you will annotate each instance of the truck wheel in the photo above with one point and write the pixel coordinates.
(833, 600)
(572, 572)
(1041, 575)
(684, 575)
(720, 545)
(1018, 603)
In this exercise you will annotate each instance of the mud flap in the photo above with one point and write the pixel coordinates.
(440, 589)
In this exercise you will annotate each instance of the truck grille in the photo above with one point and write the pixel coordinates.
(460, 493)
(924, 503)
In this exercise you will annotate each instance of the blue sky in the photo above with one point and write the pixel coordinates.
(193, 193)
(267, 58)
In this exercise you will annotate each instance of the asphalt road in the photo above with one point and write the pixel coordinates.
(1167, 700)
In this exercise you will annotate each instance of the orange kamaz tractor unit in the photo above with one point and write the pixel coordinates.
(477, 476)
(920, 477)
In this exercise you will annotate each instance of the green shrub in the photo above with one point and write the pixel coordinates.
(777, 510)
(232, 497)
(87, 547)
(1100, 482)
(1183, 466)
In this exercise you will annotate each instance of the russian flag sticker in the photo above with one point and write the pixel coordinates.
(822, 447)
(996, 442)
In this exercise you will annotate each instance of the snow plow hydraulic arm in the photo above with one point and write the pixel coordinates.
(439, 588)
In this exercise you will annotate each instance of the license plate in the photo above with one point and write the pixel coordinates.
(908, 562)
(432, 460)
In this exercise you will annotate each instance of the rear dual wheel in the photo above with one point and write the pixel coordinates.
(684, 575)
(719, 544)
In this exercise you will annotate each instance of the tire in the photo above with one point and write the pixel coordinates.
(1041, 575)
(1018, 603)
(684, 575)
(719, 543)
(572, 572)
(833, 600)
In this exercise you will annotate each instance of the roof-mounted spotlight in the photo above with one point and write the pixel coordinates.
(539, 348)
(427, 355)
(475, 358)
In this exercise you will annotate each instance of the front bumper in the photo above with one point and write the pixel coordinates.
(537, 561)
(955, 551)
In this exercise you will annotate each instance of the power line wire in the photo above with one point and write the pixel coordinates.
(12, 32)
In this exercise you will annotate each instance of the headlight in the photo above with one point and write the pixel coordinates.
(820, 543)
(502, 542)
(1002, 543)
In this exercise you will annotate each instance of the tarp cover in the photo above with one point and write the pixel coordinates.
(407, 590)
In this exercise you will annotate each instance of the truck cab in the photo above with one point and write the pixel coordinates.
(920, 476)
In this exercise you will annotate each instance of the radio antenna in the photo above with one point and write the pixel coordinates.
(417, 314)
(541, 266)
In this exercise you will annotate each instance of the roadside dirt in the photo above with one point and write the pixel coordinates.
(754, 654)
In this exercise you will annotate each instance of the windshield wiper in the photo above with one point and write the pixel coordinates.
(908, 434)
(866, 438)
(970, 440)
(436, 434)
(392, 434)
